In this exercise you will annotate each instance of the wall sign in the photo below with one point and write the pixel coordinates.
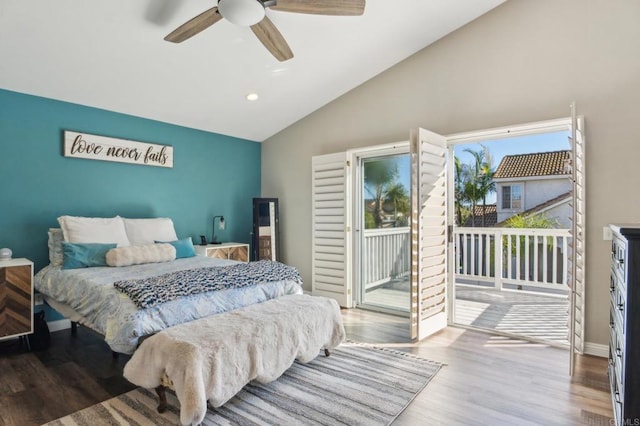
(93, 147)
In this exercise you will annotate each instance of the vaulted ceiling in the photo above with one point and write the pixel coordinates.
(111, 55)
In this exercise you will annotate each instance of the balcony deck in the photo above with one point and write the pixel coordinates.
(533, 315)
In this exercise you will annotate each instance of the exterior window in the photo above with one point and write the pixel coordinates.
(512, 197)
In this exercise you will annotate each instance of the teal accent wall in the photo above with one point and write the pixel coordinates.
(213, 174)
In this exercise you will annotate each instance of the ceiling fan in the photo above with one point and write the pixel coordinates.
(251, 13)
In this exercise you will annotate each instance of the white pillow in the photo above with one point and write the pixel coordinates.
(78, 229)
(148, 231)
(137, 255)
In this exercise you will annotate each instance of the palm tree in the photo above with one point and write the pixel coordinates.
(459, 193)
(487, 185)
(471, 184)
(480, 180)
(379, 175)
(397, 195)
(381, 183)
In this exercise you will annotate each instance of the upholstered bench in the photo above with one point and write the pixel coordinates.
(213, 358)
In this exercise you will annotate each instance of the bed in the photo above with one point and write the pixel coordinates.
(87, 294)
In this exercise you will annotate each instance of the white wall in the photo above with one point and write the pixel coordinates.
(562, 214)
(524, 61)
(534, 193)
(540, 191)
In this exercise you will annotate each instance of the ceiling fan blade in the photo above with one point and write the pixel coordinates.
(322, 7)
(194, 26)
(271, 38)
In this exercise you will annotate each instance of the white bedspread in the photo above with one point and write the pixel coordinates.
(94, 302)
(213, 358)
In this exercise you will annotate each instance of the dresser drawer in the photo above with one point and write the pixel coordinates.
(617, 337)
(616, 398)
(232, 251)
(619, 259)
(620, 306)
(612, 351)
(264, 242)
(617, 348)
(616, 277)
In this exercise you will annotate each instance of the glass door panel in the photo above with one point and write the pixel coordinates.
(385, 237)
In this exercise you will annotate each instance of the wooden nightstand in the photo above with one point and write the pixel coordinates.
(232, 251)
(16, 292)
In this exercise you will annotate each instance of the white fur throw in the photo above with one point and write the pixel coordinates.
(136, 255)
(213, 358)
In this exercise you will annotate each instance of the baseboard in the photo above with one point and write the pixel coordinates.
(62, 324)
(596, 349)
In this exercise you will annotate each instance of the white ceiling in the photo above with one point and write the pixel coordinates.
(111, 55)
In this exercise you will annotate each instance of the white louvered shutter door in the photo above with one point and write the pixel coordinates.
(428, 233)
(577, 241)
(331, 237)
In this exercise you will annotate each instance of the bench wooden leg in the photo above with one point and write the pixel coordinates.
(326, 352)
(162, 399)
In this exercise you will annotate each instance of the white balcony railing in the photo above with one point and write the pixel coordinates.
(386, 255)
(499, 257)
(536, 258)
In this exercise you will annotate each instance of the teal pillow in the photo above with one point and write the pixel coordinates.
(184, 247)
(84, 255)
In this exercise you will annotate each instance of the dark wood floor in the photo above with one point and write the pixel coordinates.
(74, 373)
(488, 380)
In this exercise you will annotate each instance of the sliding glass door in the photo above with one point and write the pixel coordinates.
(383, 230)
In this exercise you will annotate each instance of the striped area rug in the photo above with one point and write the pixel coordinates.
(356, 385)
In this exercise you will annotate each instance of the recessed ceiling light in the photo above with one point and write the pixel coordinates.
(252, 97)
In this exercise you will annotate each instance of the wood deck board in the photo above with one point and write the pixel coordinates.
(537, 316)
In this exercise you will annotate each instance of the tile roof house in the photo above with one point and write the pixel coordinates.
(490, 213)
(537, 183)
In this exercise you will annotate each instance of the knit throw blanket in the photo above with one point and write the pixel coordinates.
(149, 292)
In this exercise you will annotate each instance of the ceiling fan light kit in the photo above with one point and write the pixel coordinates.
(241, 12)
(251, 13)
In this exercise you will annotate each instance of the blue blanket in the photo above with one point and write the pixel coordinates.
(152, 291)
